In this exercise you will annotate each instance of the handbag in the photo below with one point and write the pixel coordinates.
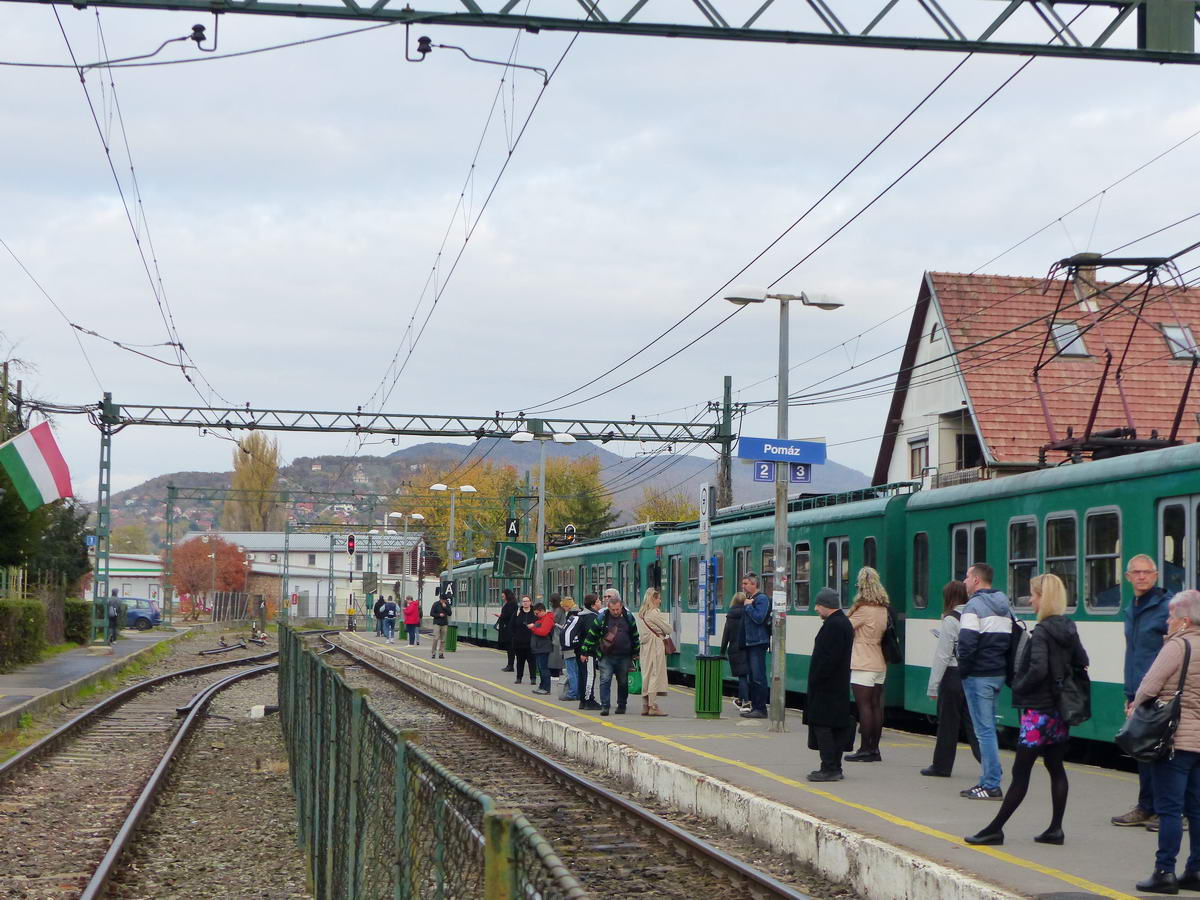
(890, 642)
(635, 681)
(1073, 694)
(1148, 735)
(668, 639)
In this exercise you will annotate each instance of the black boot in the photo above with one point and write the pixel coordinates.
(1189, 880)
(1161, 882)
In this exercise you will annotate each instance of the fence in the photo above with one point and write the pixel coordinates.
(379, 818)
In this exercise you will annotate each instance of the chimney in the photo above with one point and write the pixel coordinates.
(1084, 285)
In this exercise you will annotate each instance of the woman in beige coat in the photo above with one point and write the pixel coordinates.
(1177, 780)
(653, 628)
(869, 616)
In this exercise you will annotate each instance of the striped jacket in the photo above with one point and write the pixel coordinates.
(983, 636)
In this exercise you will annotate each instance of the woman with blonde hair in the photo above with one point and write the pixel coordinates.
(868, 671)
(654, 628)
(1052, 649)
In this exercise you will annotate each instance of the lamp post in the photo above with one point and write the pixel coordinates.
(404, 560)
(463, 489)
(212, 594)
(741, 297)
(535, 433)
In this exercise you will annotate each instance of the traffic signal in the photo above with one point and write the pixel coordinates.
(350, 544)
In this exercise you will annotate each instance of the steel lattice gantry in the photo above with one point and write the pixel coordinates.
(1147, 30)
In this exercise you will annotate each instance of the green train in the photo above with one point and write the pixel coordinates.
(1079, 521)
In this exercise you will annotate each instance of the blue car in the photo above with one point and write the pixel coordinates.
(141, 614)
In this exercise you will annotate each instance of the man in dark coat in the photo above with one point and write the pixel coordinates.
(827, 709)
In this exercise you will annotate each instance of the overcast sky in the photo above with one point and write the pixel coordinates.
(297, 200)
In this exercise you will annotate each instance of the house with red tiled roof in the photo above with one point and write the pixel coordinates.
(1004, 374)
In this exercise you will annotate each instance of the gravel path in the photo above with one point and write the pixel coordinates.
(226, 825)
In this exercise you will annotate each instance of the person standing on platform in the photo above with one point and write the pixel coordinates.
(1177, 779)
(541, 642)
(613, 638)
(756, 638)
(656, 628)
(114, 616)
(562, 638)
(377, 609)
(440, 614)
(945, 686)
(983, 649)
(585, 664)
(1052, 650)
(391, 610)
(519, 633)
(732, 649)
(556, 659)
(412, 620)
(868, 670)
(504, 626)
(827, 707)
(1145, 629)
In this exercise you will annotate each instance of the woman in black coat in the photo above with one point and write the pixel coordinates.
(732, 649)
(519, 638)
(827, 706)
(504, 626)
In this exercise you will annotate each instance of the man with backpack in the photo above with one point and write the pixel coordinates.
(378, 610)
(613, 639)
(756, 638)
(985, 655)
(585, 664)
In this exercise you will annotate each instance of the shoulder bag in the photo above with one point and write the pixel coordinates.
(667, 639)
(890, 642)
(1072, 688)
(1148, 735)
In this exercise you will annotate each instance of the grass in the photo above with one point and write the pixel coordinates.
(53, 650)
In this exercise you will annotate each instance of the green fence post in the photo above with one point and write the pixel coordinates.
(709, 680)
(336, 746)
(356, 741)
(499, 864)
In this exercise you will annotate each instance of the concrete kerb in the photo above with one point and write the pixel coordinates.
(875, 869)
(10, 720)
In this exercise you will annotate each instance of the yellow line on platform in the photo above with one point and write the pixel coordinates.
(1001, 855)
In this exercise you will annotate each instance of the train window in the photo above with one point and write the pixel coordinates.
(1173, 544)
(768, 568)
(870, 553)
(693, 594)
(624, 585)
(1062, 553)
(1102, 559)
(676, 583)
(608, 573)
(741, 565)
(1022, 559)
(718, 584)
(837, 566)
(969, 542)
(920, 571)
(802, 577)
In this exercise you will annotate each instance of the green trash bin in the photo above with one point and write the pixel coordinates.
(709, 682)
(451, 638)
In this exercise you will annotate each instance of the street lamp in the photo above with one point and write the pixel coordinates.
(463, 489)
(535, 433)
(404, 559)
(212, 594)
(741, 296)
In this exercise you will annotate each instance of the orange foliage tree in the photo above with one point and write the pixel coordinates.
(193, 567)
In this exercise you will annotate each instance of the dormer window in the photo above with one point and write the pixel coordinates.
(1067, 339)
(1179, 340)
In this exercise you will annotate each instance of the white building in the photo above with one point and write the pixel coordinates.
(135, 575)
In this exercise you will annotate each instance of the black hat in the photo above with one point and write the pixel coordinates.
(828, 598)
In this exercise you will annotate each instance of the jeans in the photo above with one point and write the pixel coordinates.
(1146, 787)
(412, 634)
(378, 625)
(619, 666)
(744, 688)
(389, 629)
(982, 691)
(112, 629)
(571, 664)
(756, 656)
(1177, 794)
(542, 661)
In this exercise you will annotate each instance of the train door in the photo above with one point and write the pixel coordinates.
(968, 542)
(837, 566)
(674, 596)
(1177, 541)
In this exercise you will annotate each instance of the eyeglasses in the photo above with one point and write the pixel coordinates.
(1142, 572)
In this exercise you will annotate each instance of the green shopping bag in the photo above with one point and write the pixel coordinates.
(635, 681)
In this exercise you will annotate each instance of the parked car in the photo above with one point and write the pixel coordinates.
(141, 614)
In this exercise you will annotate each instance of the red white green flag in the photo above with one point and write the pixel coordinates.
(36, 467)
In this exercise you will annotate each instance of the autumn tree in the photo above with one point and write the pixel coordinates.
(193, 571)
(131, 538)
(666, 506)
(255, 469)
(575, 494)
(481, 515)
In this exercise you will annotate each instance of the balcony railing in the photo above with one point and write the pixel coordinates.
(960, 476)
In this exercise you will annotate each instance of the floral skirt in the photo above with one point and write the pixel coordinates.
(1041, 729)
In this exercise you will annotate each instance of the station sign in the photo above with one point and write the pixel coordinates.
(512, 529)
(707, 508)
(780, 450)
(798, 473)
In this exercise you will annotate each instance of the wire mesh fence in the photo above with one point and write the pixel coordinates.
(381, 819)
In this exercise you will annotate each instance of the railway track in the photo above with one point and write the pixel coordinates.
(70, 803)
(615, 847)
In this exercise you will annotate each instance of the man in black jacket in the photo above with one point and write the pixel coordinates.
(827, 708)
(378, 610)
(440, 613)
(586, 664)
(613, 640)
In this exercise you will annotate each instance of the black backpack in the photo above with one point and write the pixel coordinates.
(890, 643)
(1018, 638)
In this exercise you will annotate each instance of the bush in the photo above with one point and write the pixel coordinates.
(78, 621)
(22, 632)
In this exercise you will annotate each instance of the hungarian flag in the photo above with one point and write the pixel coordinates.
(36, 467)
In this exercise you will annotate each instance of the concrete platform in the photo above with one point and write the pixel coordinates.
(36, 686)
(888, 801)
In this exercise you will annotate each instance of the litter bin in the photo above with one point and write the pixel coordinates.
(709, 681)
(451, 638)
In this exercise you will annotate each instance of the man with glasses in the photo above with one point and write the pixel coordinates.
(1145, 628)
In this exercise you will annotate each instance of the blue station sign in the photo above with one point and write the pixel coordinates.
(812, 452)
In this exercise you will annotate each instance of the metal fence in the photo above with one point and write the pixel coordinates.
(380, 819)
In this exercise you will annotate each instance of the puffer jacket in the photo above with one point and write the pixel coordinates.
(1163, 679)
(984, 628)
(1052, 649)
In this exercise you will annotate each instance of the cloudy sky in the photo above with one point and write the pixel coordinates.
(297, 201)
